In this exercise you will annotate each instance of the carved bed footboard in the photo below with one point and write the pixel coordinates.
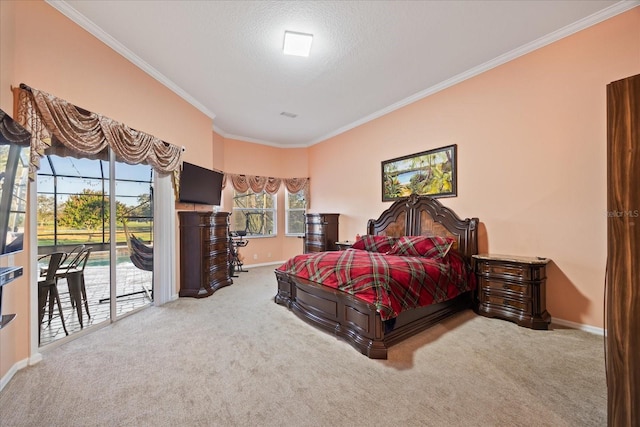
(354, 320)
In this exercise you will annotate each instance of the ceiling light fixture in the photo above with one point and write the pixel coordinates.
(298, 44)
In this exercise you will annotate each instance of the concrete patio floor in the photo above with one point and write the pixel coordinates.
(130, 281)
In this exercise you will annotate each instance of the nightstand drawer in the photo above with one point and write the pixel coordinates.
(499, 300)
(491, 285)
(521, 272)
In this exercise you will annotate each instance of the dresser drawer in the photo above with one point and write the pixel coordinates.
(315, 239)
(315, 228)
(315, 220)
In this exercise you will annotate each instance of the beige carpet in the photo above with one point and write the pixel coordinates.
(238, 359)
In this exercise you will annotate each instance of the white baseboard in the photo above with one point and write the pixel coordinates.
(21, 364)
(36, 358)
(264, 264)
(580, 326)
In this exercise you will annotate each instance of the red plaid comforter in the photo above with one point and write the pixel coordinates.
(392, 283)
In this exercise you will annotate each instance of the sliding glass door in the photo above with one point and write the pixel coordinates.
(133, 284)
(76, 214)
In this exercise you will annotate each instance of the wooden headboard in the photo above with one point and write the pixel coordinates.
(425, 216)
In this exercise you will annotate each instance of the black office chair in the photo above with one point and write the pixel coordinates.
(236, 240)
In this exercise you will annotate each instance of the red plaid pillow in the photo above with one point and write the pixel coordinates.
(426, 246)
(373, 243)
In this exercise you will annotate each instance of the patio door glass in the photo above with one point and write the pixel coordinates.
(134, 237)
(76, 212)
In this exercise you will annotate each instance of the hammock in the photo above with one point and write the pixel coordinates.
(140, 254)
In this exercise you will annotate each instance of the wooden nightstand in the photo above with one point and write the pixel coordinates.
(513, 288)
(343, 245)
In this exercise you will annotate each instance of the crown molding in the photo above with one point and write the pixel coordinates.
(68, 11)
(582, 24)
(254, 140)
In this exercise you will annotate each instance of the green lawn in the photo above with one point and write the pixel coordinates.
(66, 236)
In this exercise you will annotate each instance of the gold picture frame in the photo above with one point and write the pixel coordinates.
(431, 173)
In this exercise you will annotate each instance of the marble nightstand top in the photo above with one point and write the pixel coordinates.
(512, 258)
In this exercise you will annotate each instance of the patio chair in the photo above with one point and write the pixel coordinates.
(70, 261)
(48, 289)
(74, 274)
(72, 256)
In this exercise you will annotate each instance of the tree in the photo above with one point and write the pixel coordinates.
(143, 209)
(88, 210)
(45, 209)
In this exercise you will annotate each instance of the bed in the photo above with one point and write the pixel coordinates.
(360, 322)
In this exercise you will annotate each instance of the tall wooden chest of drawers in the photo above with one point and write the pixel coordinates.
(321, 232)
(204, 253)
(513, 288)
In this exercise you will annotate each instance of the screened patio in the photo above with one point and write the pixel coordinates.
(74, 208)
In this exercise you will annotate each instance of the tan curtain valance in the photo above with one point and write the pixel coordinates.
(48, 117)
(270, 185)
(11, 131)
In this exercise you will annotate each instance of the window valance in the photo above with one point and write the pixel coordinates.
(49, 118)
(270, 185)
(12, 131)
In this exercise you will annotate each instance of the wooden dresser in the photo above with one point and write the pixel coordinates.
(204, 253)
(321, 232)
(513, 288)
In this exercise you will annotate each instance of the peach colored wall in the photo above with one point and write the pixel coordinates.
(15, 296)
(51, 53)
(7, 26)
(218, 151)
(242, 157)
(531, 138)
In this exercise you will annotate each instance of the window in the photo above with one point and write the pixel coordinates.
(254, 213)
(295, 207)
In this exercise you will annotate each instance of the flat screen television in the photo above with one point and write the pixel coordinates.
(14, 175)
(200, 185)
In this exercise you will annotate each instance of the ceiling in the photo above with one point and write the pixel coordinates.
(367, 58)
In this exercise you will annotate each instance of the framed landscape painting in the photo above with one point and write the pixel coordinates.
(431, 173)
